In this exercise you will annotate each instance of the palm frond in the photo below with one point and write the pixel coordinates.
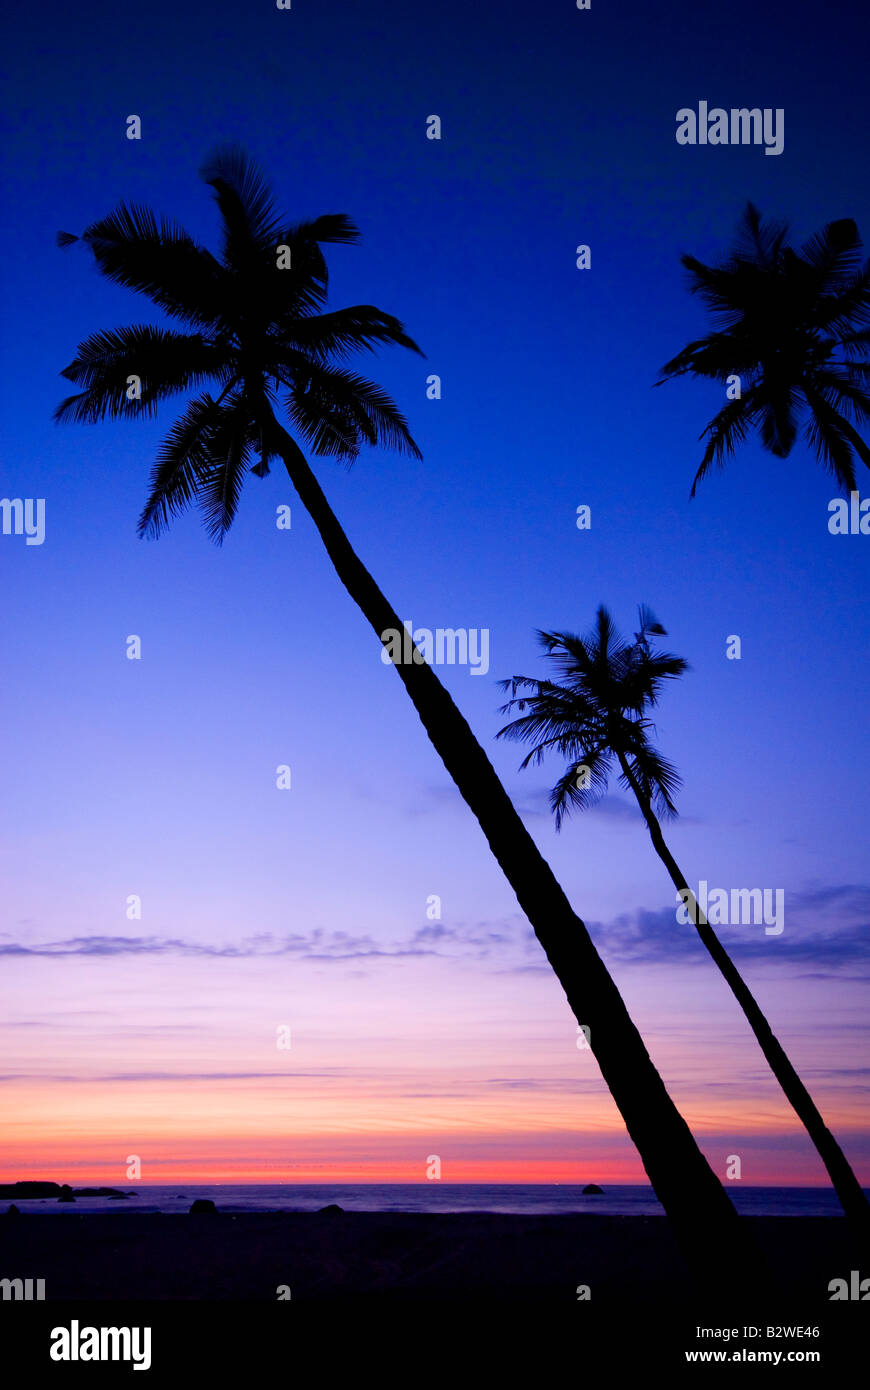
(582, 785)
(727, 429)
(330, 229)
(828, 434)
(133, 248)
(716, 357)
(657, 778)
(855, 342)
(778, 422)
(648, 624)
(757, 241)
(841, 387)
(251, 223)
(845, 309)
(300, 291)
(553, 721)
(231, 442)
(336, 410)
(163, 362)
(834, 253)
(714, 287)
(345, 331)
(183, 461)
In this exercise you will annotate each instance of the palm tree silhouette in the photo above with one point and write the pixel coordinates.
(596, 715)
(792, 326)
(259, 330)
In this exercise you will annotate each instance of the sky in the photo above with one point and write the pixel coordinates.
(310, 908)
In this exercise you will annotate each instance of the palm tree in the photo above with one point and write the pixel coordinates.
(792, 326)
(259, 330)
(596, 715)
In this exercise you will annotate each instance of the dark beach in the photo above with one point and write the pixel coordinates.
(399, 1257)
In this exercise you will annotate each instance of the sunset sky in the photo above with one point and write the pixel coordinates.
(307, 908)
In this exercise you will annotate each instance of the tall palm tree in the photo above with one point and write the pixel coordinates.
(258, 329)
(596, 715)
(793, 326)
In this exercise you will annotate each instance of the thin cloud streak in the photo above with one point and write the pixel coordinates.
(643, 936)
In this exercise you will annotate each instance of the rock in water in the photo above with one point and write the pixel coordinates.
(66, 1193)
(330, 1210)
(39, 1190)
(13, 1210)
(97, 1192)
(203, 1206)
(593, 1190)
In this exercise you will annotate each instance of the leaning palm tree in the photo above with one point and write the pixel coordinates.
(790, 342)
(257, 327)
(596, 716)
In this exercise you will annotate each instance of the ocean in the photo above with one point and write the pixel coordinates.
(522, 1200)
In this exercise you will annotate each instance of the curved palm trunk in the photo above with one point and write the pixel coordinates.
(704, 1219)
(846, 1185)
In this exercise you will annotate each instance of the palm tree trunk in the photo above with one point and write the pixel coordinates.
(852, 1197)
(704, 1220)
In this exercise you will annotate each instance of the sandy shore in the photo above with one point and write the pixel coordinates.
(324, 1257)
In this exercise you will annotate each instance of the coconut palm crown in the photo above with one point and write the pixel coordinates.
(794, 328)
(594, 713)
(257, 335)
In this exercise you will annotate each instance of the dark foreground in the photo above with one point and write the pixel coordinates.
(435, 1299)
(398, 1257)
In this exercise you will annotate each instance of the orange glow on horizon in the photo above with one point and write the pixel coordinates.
(85, 1171)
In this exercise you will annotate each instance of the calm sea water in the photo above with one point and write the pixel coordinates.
(617, 1200)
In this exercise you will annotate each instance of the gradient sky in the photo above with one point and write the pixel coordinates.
(307, 907)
